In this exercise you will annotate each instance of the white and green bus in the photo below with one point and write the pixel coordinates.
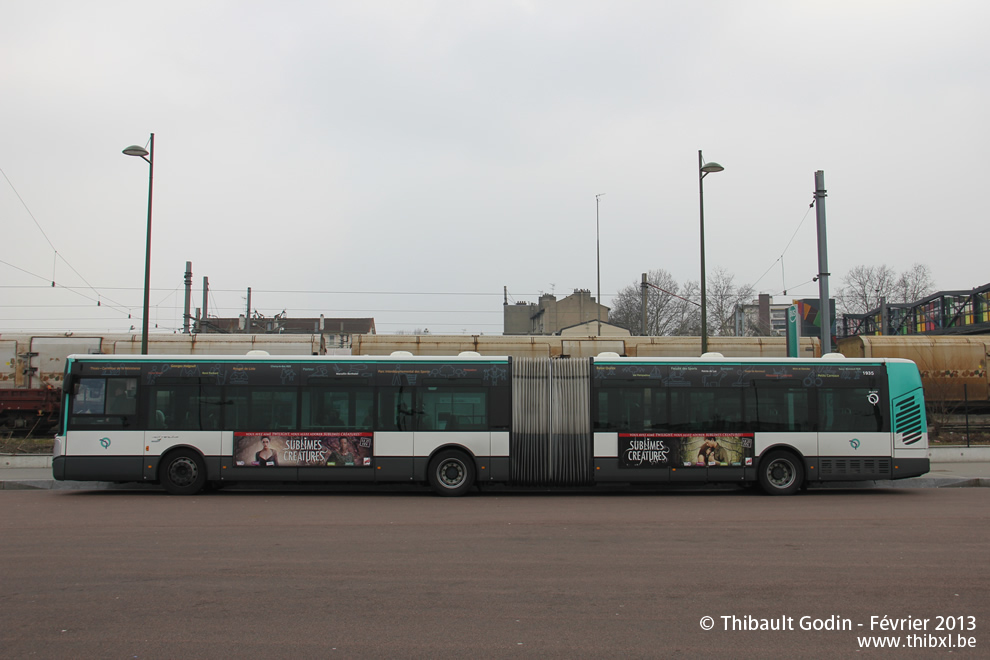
(189, 422)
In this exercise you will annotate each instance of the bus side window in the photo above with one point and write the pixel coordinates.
(395, 410)
(236, 407)
(677, 405)
(850, 410)
(728, 410)
(364, 405)
(121, 396)
(89, 396)
(107, 403)
(338, 409)
(779, 408)
(454, 409)
(184, 407)
(624, 408)
(603, 414)
(273, 409)
(656, 406)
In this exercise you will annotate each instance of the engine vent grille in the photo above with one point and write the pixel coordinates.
(907, 420)
(859, 468)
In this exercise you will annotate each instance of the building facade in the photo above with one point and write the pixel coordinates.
(763, 318)
(549, 316)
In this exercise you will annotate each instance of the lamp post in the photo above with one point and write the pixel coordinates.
(598, 260)
(141, 152)
(704, 169)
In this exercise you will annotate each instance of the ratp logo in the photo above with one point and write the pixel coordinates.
(854, 443)
(105, 443)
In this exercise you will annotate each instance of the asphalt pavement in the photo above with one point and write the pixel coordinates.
(384, 574)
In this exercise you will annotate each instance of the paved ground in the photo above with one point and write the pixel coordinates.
(104, 574)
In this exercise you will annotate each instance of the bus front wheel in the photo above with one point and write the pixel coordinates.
(451, 473)
(183, 472)
(781, 473)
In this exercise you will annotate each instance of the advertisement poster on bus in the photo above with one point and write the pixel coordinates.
(303, 449)
(662, 450)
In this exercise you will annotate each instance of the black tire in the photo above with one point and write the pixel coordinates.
(182, 472)
(781, 473)
(451, 473)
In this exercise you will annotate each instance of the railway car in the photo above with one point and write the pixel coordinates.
(572, 346)
(953, 368)
(32, 365)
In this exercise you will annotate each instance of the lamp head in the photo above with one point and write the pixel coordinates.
(135, 150)
(707, 168)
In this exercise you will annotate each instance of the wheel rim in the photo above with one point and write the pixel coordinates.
(781, 473)
(451, 473)
(183, 471)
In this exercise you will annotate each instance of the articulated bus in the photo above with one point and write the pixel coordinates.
(191, 422)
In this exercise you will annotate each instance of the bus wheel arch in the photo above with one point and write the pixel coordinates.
(182, 471)
(781, 472)
(451, 472)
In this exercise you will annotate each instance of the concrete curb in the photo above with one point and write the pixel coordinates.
(25, 461)
(52, 484)
(915, 482)
(979, 454)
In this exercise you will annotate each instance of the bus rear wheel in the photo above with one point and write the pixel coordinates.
(183, 472)
(451, 473)
(781, 473)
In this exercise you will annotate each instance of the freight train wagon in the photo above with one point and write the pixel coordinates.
(953, 368)
(577, 345)
(32, 365)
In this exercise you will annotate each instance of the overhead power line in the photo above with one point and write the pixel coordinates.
(58, 255)
(779, 260)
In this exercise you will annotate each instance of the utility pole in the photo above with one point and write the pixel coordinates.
(704, 169)
(643, 293)
(203, 317)
(188, 282)
(825, 312)
(598, 252)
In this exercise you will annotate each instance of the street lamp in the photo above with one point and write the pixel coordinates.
(598, 259)
(141, 152)
(704, 169)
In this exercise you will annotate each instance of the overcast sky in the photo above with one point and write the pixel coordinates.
(326, 154)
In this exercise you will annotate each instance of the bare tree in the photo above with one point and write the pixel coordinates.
(626, 309)
(723, 297)
(689, 313)
(664, 305)
(864, 286)
(674, 309)
(914, 284)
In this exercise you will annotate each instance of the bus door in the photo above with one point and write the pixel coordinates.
(719, 442)
(104, 440)
(454, 415)
(183, 414)
(394, 438)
